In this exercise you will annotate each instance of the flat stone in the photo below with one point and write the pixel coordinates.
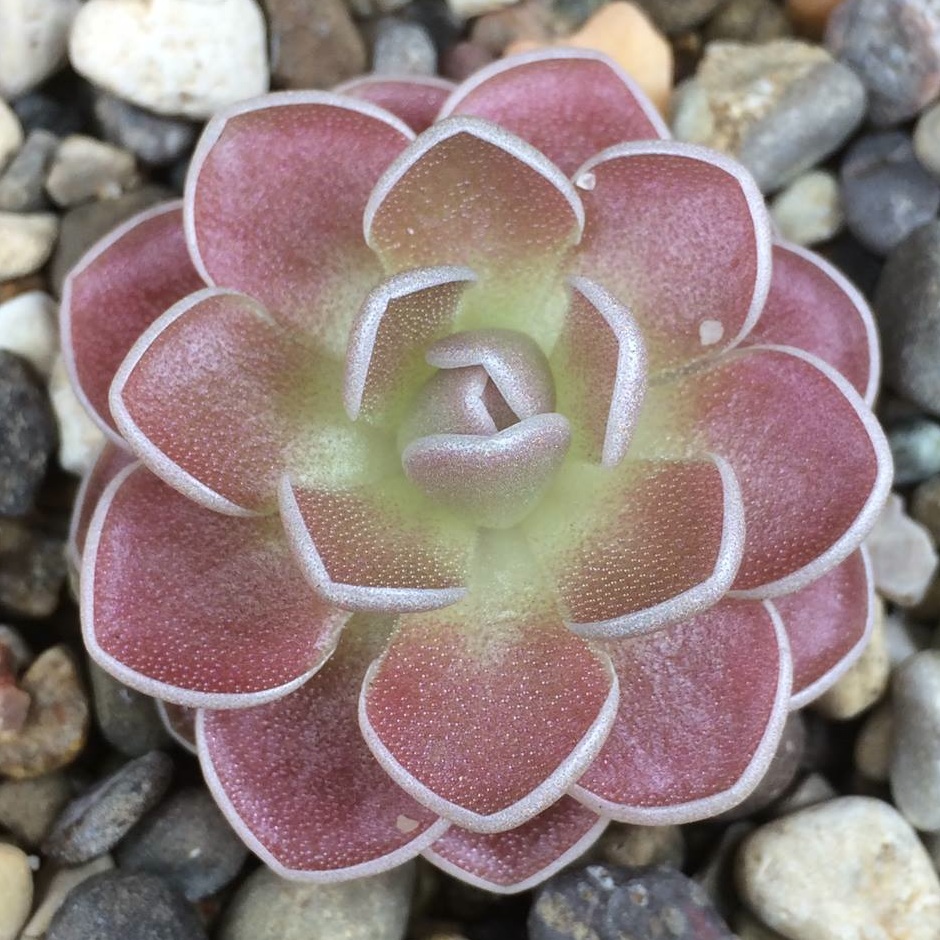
(32, 570)
(85, 169)
(22, 185)
(16, 891)
(155, 139)
(748, 21)
(809, 211)
(80, 439)
(634, 846)
(849, 869)
(29, 807)
(11, 134)
(58, 889)
(127, 719)
(33, 39)
(873, 744)
(267, 907)
(674, 16)
(95, 822)
(915, 447)
(779, 107)
(26, 242)
(175, 57)
(116, 905)
(894, 47)
(403, 48)
(28, 329)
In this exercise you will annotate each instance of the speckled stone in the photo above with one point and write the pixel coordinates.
(29, 807)
(634, 846)
(55, 893)
(127, 719)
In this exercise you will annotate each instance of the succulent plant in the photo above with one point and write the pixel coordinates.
(481, 468)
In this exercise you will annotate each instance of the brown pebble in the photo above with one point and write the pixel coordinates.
(810, 16)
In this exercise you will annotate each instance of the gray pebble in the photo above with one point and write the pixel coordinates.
(155, 139)
(915, 447)
(39, 111)
(22, 186)
(886, 193)
(894, 46)
(32, 570)
(188, 842)
(118, 905)
(632, 846)
(95, 822)
(127, 718)
(403, 48)
(674, 16)
(748, 21)
(29, 807)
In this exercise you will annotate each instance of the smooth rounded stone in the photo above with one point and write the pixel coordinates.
(849, 869)
(115, 905)
(57, 890)
(748, 21)
(174, 57)
(84, 169)
(927, 139)
(403, 48)
(33, 40)
(810, 791)
(57, 725)
(915, 447)
(903, 555)
(40, 111)
(22, 185)
(27, 434)
(809, 210)
(80, 439)
(748, 927)
(606, 902)
(84, 225)
(127, 718)
(634, 846)
(674, 16)
(16, 891)
(267, 907)
(188, 842)
(26, 242)
(153, 138)
(904, 636)
(29, 807)
(314, 43)
(32, 570)
(864, 683)
(779, 107)
(11, 134)
(894, 47)
(886, 193)
(873, 744)
(28, 329)
(95, 822)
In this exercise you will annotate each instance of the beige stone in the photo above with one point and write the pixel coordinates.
(873, 744)
(16, 890)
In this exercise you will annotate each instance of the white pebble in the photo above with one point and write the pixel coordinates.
(80, 439)
(33, 39)
(16, 890)
(11, 134)
(28, 328)
(84, 169)
(809, 211)
(26, 242)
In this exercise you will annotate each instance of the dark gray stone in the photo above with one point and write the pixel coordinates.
(128, 719)
(155, 139)
(118, 905)
(39, 111)
(915, 446)
(22, 186)
(403, 48)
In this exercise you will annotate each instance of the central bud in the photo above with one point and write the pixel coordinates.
(482, 437)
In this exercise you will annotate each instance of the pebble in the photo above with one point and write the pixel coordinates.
(904, 637)
(748, 927)
(634, 846)
(28, 329)
(886, 193)
(809, 210)
(528, 20)
(33, 39)
(467, 9)
(314, 43)
(11, 134)
(22, 186)
(115, 905)
(925, 505)
(810, 16)
(873, 744)
(128, 719)
(57, 725)
(27, 434)
(903, 555)
(927, 140)
(59, 887)
(84, 169)
(606, 902)
(811, 790)
(748, 21)
(849, 869)
(153, 138)
(40, 111)
(29, 807)
(403, 48)
(16, 891)
(96, 821)
(32, 569)
(675, 16)
(915, 447)
(175, 57)
(13, 642)
(26, 242)
(80, 439)
(894, 47)
(188, 842)
(267, 907)
(779, 107)
(715, 876)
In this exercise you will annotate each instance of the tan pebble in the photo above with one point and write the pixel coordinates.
(641, 845)
(16, 890)
(873, 745)
(810, 16)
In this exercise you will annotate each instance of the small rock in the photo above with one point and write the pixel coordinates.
(33, 38)
(849, 869)
(11, 134)
(903, 637)
(403, 48)
(267, 907)
(16, 891)
(29, 807)
(116, 905)
(32, 570)
(779, 107)
(886, 193)
(894, 47)
(40, 111)
(57, 725)
(175, 57)
(809, 210)
(604, 902)
(95, 822)
(915, 447)
(80, 439)
(903, 556)
(85, 169)
(28, 329)
(11, 641)
(59, 887)
(27, 434)
(748, 21)
(925, 505)
(674, 16)
(188, 842)
(810, 791)
(22, 186)
(128, 719)
(153, 138)
(748, 927)
(873, 744)
(467, 9)
(635, 846)
(715, 876)
(865, 681)
(527, 21)
(810, 16)
(26, 242)
(927, 140)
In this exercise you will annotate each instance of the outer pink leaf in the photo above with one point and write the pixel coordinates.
(706, 707)
(178, 601)
(298, 784)
(416, 99)
(680, 235)
(812, 306)
(508, 862)
(828, 623)
(484, 715)
(274, 203)
(114, 293)
(569, 103)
